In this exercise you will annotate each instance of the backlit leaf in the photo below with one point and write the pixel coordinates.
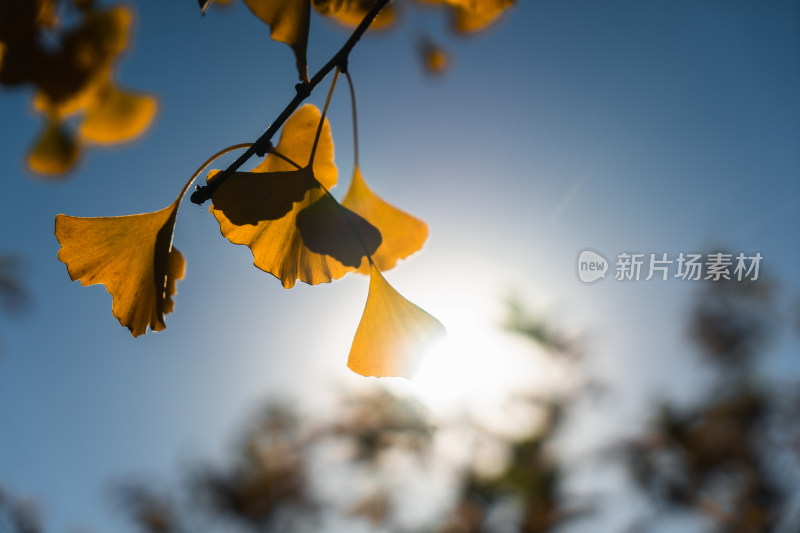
(111, 115)
(55, 152)
(392, 334)
(466, 21)
(435, 59)
(470, 16)
(77, 81)
(132, 256)
(288, 21)
(294, 228)
(402, 234)
(351, 12)
(117, 115)
(297, 141)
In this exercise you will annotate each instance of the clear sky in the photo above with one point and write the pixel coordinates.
(650, 127)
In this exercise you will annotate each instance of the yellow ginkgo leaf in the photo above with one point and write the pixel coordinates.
(297, 141)
(294, 228)
(466, 21)
(55, 152)
(117, 115)
(132, 256)
(288, 21)
(470, 16)
(393, 333)
(351, 12)
(435, 59)
(401, 233)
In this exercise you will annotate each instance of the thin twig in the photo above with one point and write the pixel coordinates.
(261, 146)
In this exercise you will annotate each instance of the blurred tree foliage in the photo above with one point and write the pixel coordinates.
(67, 50)
(730, 459)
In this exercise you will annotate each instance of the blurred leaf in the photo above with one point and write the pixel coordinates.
(435, 59)
(14, 298)
(152, 512)
(375, 508)
(132, 256)
(471, 16)
(288, 21)
(731, 321)
(392, 334)
(351, 12)
(18, 516)
(402, 234)
(117, 116)
(74, 77)
(268, 479)
(55, 152)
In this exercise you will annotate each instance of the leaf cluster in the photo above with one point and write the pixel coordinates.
(71, 67)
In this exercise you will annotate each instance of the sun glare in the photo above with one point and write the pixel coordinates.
(476, 364)
(455, 368)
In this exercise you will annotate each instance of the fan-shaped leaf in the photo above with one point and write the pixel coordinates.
(117, 116)
(132, 256)
(470, 16)
(392, 334)
(351, 12)
(297, 141)
(55, 152)
(401, 233)
(288, 21)
(294, 228)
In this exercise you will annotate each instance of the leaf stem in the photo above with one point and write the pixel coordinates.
(322, 118)
(304, 89)
(355, 116)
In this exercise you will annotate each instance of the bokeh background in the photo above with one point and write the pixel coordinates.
(659, 127)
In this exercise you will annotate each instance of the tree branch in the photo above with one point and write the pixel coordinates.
(261, 146)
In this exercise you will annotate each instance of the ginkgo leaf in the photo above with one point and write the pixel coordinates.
(117, 115)
(55, 152)
(393, 333)
(297, 141)
(288, 21)
(351, 12)
(294, 228)
(470, 16)
(402, 234)
(132, 256)
(435, 59)
(466, 21)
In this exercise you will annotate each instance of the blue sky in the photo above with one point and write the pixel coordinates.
(650, 127)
